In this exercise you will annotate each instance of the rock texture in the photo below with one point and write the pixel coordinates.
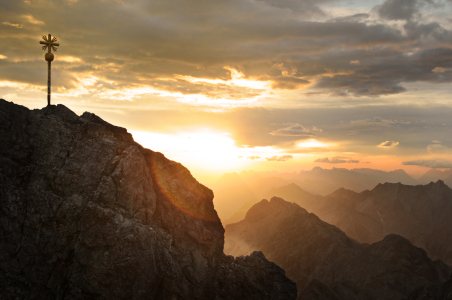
(310, 249)
(87, 213)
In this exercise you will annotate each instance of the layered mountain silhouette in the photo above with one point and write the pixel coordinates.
(233, 190)
(87, 213)
(419, 213)
(435, 175)
(326, 263)
(323, 182)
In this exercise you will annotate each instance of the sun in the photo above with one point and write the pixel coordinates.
(200, 149)
(312, 143)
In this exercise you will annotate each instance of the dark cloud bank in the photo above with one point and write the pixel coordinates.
(292, 43)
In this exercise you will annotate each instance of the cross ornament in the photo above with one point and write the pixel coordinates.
(49, 44)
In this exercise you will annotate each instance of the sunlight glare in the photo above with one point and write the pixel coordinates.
(204, 150)
(312, 143)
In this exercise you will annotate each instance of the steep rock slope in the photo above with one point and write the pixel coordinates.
(310, 249)
(87, 213)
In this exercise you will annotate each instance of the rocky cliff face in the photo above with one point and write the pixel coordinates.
(310, 249)
(87, 213)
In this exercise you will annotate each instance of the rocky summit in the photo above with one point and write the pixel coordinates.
(87, 213)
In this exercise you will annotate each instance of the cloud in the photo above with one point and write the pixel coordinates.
(430, 163)
(288, 83)
(356, 126)
(437, 149)
(386, 76)
(314, 128)
(389, 144)
(32, 20)
(398, 9)
(279, 158)
(308, 8)
(296, 130)
(353, 18)
(13, 25)
(337, 160)
(253, 157)
(439, 70)
(200, 38)
(436, 142)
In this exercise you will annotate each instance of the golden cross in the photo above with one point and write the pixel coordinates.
(49, 43)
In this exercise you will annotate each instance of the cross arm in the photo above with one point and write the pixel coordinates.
(47, 43)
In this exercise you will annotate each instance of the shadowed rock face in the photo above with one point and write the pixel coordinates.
(310, 249)
(87, 213)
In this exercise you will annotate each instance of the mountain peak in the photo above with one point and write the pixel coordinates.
(399, 171)
(276, 205)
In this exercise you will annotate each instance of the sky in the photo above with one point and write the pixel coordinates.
(232, 85)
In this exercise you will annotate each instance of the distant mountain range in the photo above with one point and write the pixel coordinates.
(232, 190)
(327, 264)
(419, 213)
(434, 175)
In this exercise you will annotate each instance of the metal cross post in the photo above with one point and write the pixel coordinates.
(49, 43)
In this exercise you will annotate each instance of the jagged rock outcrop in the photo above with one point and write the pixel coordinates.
(87, 213)
(310, 249)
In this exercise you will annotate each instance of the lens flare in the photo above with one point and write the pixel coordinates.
(179, 187)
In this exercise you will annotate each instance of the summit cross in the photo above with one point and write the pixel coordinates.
(49, 43)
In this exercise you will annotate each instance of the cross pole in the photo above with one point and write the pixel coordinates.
(49, 43)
